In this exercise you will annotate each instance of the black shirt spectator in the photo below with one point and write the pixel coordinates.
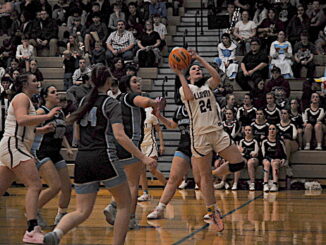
(277, 80)
(298, 24)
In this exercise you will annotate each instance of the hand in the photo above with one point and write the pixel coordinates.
(193, 54)
(240, 149)
(54, 112)
(39, 41)
(70, 153)
(45, 42)
(49, 128)
(254, 154)
(162, 150)
(250, 72)
(150, 162)
(282, 162)
(176, 70)
(246, 73)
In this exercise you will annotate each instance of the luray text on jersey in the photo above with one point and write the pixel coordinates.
(202, 94)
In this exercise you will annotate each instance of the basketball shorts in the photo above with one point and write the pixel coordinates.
(125, 158)
(43, 157)
(150, 150)
(217, 141)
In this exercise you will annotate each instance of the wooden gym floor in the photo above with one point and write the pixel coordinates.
(287, 217)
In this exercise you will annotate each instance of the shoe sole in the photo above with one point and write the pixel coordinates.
(108, 217)
(153, 218)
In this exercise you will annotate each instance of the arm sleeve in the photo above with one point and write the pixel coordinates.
(256, 147)
(263, 150)
(112, 110)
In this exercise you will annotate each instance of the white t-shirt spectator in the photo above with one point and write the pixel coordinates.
(245, 30)
(22, 51)
(161, 30)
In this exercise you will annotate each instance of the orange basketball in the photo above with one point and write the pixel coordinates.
(179, 58)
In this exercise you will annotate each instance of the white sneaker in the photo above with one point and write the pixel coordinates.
(58, 217)
(274, 188)
(251, 186)
(227, 186)
(196, 187)
(206, 216)
(158, 213)
(35, 236)
(133, 224)
(110, 213)
(307, 147)
(219, 186)
(183, 185)
(318, 148)
(144, 198)
(234, 187)
(266, 188)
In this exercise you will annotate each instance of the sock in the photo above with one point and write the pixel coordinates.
(161, 205)
(318, 144)
(275, 183)
(211, 208)
(114, 204)
(31, 224)
(146, 192)
(308, 144)
(62, 210)
(58, 232)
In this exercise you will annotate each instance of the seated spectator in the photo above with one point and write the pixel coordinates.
(245, 5)
(24, 53)
(44, 5)
(304, 56)
(96, 9)
(7, 53)
(249, 149)
(143, 9)
(24, 29)
(14, 76)
(274, 155)
(78, 30)
(82, 70)
(78, 91)
(277, 80)
(149, 54)
(118, 68)
(312, 121)
(160, 28)
(131, 69)
(272, 113)
(321, 42)
(260, 126)
(105, 9)
(247, 112)
(258, 95)
(226, 57)
(114, 92)
(97, 32)
(261, 12)
(60, 12)
(281, 53)
(244, 31)
(35, 71)
(15, 24)
(69, 65)
(230, 105)
(115, 17)
(317, 20)
(253, 66)
(297, 25)
(158, 7)
(75, 47)
(120, 43)
(285, 11)
(296, 119)
(5, 12)
(98, 54)
(48, 34)
(268, 29)
(14, 65)
(71, 21)
(134, 21)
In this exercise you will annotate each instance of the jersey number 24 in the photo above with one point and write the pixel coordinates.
(205, 107)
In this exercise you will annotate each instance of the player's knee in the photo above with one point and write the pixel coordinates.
(235, 167)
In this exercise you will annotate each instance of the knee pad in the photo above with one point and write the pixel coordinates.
(236, 166)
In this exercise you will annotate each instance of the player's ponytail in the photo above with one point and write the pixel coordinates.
(18, 84)
(100, 74)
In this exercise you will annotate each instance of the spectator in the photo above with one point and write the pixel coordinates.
(317, 20)
(321, 42)
(78, 30)
(35, 71)
(160, 28)
(304, 56)
(96, 9)
(7, 53)
(118, 69)
(131, 69)
(14, 75)
(75, 47)
(277, 80)
(233, 14)
(258, 95)
(148, 55)
(260, 126)
(143, 10)
(245, 5)
(82, 70)
(4, 102)
(261, 12)
(69, 65)
(120, 43)
(60, 12)
(15, 23)
(97, 32)
(247, 112)
(253, 66)
(268, 29)
(5, 21)
(296, 119)
(298, 24)
(272, 113)
(309, 87)
(226, 57)
(230, 105)
(114, 92)
(44, 5)
(78, 91)
(285, 11)
(25, 29)
(135, 23)
(47, 34)
(244, 31)
(158, 7)
(274, 155)
(71, 22)
(312, 121)
(14, 65)
(105, 9)
(98, 54)
(115, 17)
(281, 53)
(24, 53)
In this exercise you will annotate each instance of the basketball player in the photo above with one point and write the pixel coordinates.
(133, 116)
(150, 149)
(46, 148)
(180, 162)
(206, 132)
(99, 121)
(16, 159)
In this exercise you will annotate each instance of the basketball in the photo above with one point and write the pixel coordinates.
(179, 58)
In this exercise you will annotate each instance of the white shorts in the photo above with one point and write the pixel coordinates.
(149, 150)
(216, 141)
(13, 151)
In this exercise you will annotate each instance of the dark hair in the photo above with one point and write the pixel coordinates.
(132, 4)
(20, 81)
(201, 81)
(44, 93)
(124, 84)
(256, 40)
(121, 20)
(100, 74)
(227, 35)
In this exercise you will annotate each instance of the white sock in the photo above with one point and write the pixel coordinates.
(308, 144)
(318, 144)
(58, 232)
(161, 205)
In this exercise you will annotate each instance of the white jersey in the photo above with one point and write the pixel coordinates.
(24, 134)
(149, 129)
(202, 110)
